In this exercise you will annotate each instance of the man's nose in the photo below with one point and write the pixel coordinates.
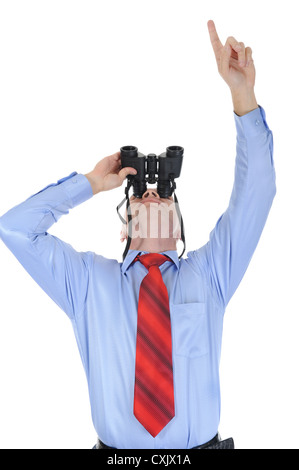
(150, 193)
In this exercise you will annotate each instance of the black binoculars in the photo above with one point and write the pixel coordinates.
(151, 169)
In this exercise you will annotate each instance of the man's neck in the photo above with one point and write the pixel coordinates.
(153, 245)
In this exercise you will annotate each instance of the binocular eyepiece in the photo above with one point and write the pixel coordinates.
(151, 169)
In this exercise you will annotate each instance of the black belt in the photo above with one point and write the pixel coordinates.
(215, 443)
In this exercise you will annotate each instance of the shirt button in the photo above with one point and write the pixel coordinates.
(257, 122)
(74, 181)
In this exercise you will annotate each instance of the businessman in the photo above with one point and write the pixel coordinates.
(149, 329)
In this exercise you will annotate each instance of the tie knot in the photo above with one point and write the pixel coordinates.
(152, 259)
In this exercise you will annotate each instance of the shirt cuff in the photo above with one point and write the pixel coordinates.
(252, 123)
(77, 187)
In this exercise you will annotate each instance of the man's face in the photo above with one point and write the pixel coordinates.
(153, 216)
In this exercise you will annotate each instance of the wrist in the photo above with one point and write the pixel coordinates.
(244, 101)
(94, 183)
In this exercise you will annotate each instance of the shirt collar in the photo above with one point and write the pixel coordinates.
(133, 253)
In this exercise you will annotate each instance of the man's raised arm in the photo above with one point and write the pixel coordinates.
(232, 242)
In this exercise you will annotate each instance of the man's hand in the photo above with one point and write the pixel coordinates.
(236, 67)
(108, 174)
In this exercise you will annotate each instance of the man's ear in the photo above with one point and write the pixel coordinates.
(177, 228)
(123, 233)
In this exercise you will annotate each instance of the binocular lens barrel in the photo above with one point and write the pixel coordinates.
(129, 151)
(174, 151)
(131, 157)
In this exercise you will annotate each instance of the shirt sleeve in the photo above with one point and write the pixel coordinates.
(232, 242)
(60, 271)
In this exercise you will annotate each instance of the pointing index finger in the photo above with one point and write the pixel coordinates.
(215, 41)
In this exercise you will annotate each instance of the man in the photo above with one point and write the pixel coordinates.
(158, 391)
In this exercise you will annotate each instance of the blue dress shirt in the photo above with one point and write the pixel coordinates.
(100, 296)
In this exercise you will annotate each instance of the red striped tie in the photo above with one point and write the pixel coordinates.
(153, 394)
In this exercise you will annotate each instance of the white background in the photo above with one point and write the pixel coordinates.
(80, 79)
